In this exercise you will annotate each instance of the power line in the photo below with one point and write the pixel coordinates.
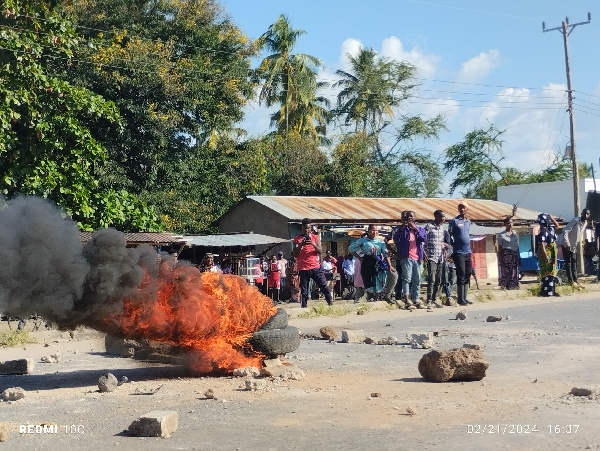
(469, 10)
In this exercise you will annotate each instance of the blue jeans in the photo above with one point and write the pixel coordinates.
(411, 277)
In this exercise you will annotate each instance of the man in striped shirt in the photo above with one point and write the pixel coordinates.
(435, 250)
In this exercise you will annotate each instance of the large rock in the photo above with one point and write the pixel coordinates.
(353, 336)
(158, 423)
(107, 383)
(328, 333)
(456, 364)
(21, 366)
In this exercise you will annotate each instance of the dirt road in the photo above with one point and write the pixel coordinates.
(540, 350)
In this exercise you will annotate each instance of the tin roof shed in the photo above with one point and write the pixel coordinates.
(362, 210)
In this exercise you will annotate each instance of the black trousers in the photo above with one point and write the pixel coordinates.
(434, 278)
(463, 268)
(570, 258)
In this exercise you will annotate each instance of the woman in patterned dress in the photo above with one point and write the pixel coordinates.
(508, 257)
(370, 250)
(545, 242)
(293, 280)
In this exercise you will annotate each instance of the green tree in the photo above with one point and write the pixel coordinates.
(477, 165)
(373, 91)
(178, 71)
(214, 180)
(48, 144)
(290, 81)
(296, 166)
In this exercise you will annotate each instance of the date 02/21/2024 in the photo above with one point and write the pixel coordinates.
(521, 428)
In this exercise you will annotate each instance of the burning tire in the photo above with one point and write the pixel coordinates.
(276, 341)
(278, 321)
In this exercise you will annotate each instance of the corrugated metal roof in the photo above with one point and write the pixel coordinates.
(232, 239)
(381, 210)
(141, 237)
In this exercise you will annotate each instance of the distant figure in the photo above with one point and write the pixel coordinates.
(283, 265)
(509, 259)
(208, 264)
(329, 266)
(435, 251)
(293, 279)
(545, 242)
(225, 265)
(307, 250)
(374, 259)
(458, 230)
(409, 239)
(589, 250)
(568, 241)
(273, 281)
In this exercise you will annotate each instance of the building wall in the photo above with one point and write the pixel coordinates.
(491, 258)
(555, 198)
(250, 216)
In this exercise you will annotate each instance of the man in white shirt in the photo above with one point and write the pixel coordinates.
(568, 241)
(283, 264)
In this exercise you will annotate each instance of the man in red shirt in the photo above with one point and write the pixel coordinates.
(307, 250)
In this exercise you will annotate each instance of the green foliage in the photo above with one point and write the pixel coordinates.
(290, 81)
(351, 168)
(178, 72)
(356, 171)
(213, 181)
(371, 89)
(49, 145)
(372, 94)
(296, 165)
(15, 338)
(325, 310)
(477, 162)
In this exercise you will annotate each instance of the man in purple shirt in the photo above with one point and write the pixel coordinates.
(409, 241)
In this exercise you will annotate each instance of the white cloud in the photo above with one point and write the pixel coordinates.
(350, 46)
(392, 48)
(425, 63)
(479, 66)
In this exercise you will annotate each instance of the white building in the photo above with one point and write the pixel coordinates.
(555, 198)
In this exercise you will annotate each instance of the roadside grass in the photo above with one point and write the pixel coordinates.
(15, 338)
(325, 310)
(483, 296)
(363, 308)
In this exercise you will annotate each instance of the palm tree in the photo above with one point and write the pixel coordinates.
(309, 117)
(290, 80)
(371, 89)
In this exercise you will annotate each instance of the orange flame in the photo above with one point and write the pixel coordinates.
(210, 315)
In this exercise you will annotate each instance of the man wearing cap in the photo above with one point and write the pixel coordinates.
(458, 229)
(307, 251)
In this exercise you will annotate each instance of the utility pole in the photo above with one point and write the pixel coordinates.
(566, 29)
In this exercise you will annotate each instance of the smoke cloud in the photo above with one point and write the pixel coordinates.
(43, 267)
(127, 292)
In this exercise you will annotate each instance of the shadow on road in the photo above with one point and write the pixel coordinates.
(85, 378)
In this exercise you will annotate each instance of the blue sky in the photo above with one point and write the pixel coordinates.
(479, 62)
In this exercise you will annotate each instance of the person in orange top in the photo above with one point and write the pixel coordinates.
(307, 250)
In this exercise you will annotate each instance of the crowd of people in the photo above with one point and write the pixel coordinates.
(444, 252)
